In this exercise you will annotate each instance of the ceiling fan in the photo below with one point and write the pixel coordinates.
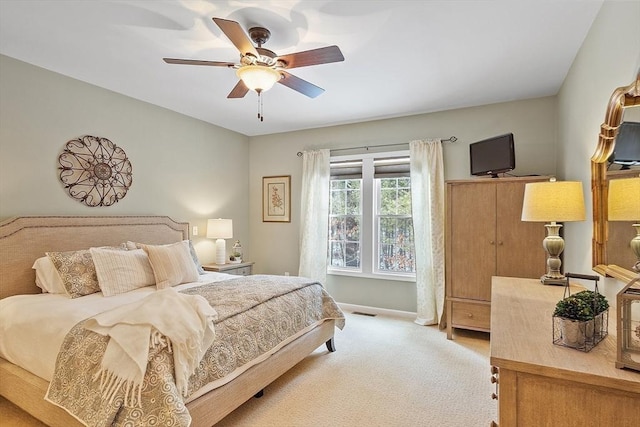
(259, 68)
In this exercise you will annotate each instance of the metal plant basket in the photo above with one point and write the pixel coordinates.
(582, 335)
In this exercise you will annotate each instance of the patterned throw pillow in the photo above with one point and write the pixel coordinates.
(194, 256)
(77, 271)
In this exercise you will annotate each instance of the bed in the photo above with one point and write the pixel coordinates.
(25, 239)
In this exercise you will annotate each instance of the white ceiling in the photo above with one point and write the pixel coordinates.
(401, 57)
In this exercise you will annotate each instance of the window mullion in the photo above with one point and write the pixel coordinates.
(368, 213)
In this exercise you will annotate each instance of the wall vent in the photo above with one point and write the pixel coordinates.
(360, 313)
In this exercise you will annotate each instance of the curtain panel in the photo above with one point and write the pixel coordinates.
(427, 202)
(314, 215)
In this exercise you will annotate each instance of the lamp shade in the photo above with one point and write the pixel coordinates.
(624, 199)
(553, 201)
(258, 77)
(219, 228)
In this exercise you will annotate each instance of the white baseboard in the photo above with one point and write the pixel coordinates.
(375, 310)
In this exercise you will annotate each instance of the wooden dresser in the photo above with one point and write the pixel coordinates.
(542, 384)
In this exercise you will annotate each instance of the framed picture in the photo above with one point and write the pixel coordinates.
(276, 198)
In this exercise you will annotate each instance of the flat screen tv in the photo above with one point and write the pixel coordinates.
(492, 156)
(627, 148)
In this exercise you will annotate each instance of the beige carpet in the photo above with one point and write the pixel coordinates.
(386, 372)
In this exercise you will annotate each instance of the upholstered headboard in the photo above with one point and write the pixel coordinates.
(25, 239)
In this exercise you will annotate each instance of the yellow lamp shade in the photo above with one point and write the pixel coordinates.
(624, 199)
(553, 201)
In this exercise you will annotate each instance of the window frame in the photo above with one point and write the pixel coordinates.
(377, 217)
(369, 230)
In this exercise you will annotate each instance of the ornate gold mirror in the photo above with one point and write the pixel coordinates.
(612, 255)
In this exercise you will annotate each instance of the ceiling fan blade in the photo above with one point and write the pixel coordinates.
(323, 55)
(239, 90)
(238, 37)
(300, 85)
(198, 62)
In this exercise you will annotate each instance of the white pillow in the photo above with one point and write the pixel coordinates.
(133, 245)
(172, 264)
(47, 276)
(121, 271)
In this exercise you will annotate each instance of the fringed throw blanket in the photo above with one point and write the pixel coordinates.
(255, 314)
(182, 323)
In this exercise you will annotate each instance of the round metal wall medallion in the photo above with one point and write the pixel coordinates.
(95, 171)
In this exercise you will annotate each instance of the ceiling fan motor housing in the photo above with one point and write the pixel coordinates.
(266, 57)
(259, 35)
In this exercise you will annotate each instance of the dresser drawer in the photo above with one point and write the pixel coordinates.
(238, 269)
(471, 316)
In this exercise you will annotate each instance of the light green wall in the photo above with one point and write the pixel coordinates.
(609, 58)
(182, 167)
(275, 246)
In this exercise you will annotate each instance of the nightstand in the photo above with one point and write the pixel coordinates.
(240, 269)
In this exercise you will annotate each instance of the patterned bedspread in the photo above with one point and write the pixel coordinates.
(255, 314)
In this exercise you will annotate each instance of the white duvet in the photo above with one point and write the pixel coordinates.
(32, 327)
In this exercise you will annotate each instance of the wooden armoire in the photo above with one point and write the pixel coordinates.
(485, 237)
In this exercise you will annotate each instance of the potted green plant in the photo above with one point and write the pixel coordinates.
(235, 258)
(600, 309)
(596, 299)
(581, 318)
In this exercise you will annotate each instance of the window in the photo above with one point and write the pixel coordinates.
(395, 250)
(344, 223)
(370, 223)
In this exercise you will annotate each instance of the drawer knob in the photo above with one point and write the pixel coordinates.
(494, 396)
(494, 379)
(470, 315)
(494, 369)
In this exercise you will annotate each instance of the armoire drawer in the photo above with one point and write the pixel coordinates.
(471, 315)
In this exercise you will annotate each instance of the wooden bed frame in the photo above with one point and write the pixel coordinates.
(24, 239)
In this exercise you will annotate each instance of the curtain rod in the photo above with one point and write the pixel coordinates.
(366, 147)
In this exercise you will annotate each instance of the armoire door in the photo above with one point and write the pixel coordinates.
(519, 251)
(473, 239)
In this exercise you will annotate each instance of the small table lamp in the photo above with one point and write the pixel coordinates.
(220, 229)
(624, 205)
(553, 201)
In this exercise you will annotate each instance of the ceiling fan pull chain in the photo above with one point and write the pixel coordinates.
(260, 115)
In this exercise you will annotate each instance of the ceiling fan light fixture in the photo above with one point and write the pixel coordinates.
(258, 77)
